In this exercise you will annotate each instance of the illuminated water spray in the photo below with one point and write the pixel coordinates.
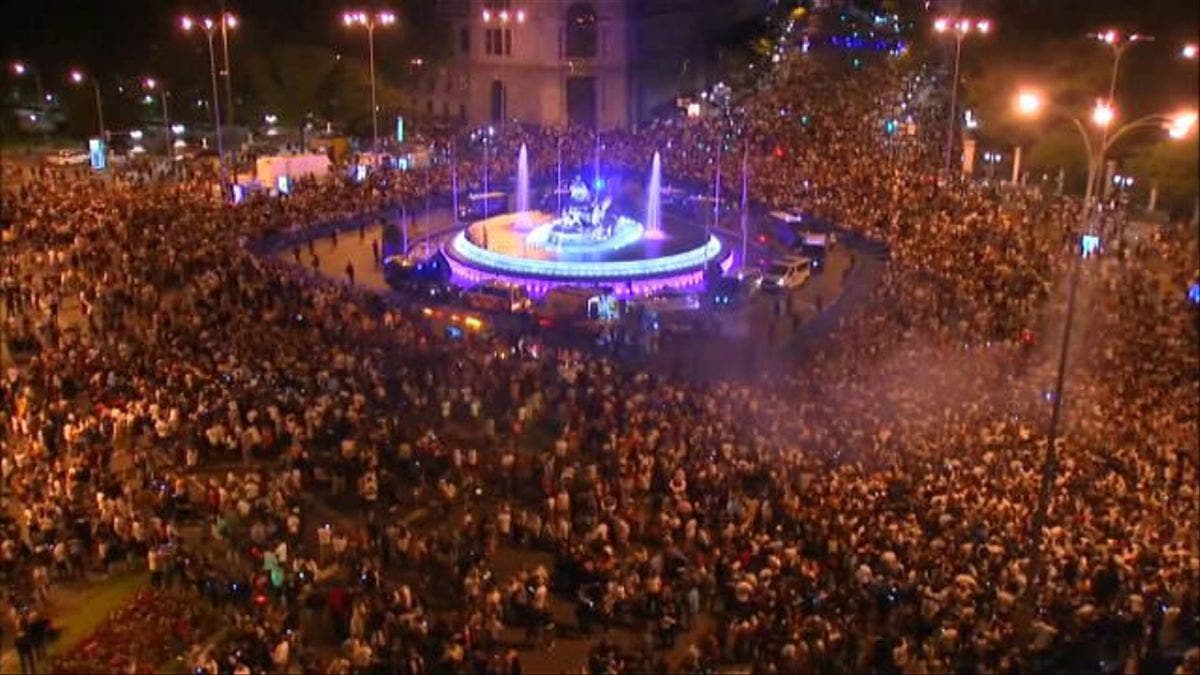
(654, 200)
(523, 180)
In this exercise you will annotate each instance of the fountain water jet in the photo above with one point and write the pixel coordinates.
(654, 200)
(523, 180)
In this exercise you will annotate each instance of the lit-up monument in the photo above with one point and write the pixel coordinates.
(590, 242)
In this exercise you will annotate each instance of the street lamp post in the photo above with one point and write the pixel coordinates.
(20, 69)
(209, 26)
(487, 139)
(1030, 104)
(151, 84)
(370, 20)
(1118, 43)
(962, 27)
(77, 77)
(228, 21)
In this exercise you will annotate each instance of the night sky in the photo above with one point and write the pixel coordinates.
(130, 38)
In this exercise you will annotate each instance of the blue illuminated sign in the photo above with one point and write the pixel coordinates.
(98, 153)
(1090, 245)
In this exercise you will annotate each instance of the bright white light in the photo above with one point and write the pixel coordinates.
(137, 150)
(230, 20)
(984, 26)
(208, 23)
(180, 143)
(504, 15)
(19, 68)
(1189, 51)
(1103, 114)
(520, 16)
(1182, 125)
(186, 22)
(178, 129)
(271, 119)
(136, 134)
(76, 76)
(1029, 102)
(32, 117)
(487, 15)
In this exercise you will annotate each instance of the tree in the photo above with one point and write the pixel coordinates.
(292, 81)
(1172, 166)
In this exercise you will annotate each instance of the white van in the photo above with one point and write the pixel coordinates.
(785, 273)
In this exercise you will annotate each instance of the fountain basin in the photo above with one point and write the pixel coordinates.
(505, 247)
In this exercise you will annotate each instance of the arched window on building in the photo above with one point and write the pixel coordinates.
(582, 32)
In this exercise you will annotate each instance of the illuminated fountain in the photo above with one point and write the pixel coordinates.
(590, 241)
(523, 180)
(654, 200)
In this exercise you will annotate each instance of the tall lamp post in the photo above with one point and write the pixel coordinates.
(1118, 43)
(370, 20)
(21, 69)
(487, 142)
(77, 77)
(210, 26)
(1031, 104)
(961, 27)
(228, 20)
(151, 84)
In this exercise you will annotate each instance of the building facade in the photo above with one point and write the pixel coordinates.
(593, 63)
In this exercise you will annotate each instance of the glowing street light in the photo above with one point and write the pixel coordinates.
(1029, 102)
(229, 21)
(189, 24)
(21, 69)
(961, 27)
(1182, 124)
(1118, 43)
(370, 20)
(1190, 51)
(151, 84)
(1102, 114)
(1178, 126)
(77, 77)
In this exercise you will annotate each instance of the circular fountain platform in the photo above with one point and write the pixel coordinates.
(539, 251)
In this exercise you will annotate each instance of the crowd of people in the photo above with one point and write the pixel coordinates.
(268, 440)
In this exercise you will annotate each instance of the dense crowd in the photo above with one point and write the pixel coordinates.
(211, 416)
